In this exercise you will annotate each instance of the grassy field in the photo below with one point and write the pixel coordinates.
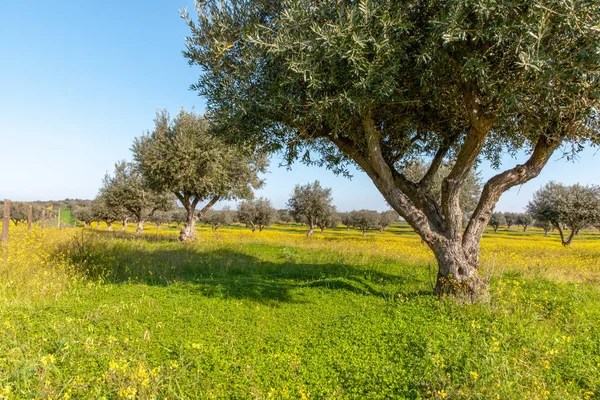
(88, 314)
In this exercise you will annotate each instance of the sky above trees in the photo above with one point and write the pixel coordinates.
(79, 82)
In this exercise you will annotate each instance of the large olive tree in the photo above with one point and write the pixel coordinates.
(381, 83)
(180, 156)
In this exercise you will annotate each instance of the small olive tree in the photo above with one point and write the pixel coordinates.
(387, 218)
(525, 220)
(310, 202)
(496, 220)
(217, 218)
(258, 214)
(364, 220)
(574, 207)
(126, 188)
(510, 218)
(329, 218)
(181, 157)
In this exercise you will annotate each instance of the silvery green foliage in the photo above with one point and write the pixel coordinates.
(574, 207)
(496, 220)
(180, 156)
(126, 188)
(217, 218)
(387, 218)
(258, 214)
(19, 211)
(525, 220)
(311, 203)
(364, 220)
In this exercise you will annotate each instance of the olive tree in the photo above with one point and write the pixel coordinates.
(284, 216)
(387, 218)
(364, 220)
(181, 157)
(310, 202)
(510, 218)
(380, 84)
(19, 212)
(217, 218)
(525, 220)
(258, 213)
(496, 220)
(161, 217)
(85, 215)
(545, 225)
(109, 213)
(574, 207)
(329, 218)
(126, 188)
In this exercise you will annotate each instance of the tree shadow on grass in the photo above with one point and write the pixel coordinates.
(229, 273)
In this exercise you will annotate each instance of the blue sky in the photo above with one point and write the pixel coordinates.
(79, 80)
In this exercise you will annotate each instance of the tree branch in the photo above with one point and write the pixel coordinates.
(208, 205)
(500, 183)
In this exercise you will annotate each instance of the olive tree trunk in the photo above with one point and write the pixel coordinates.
(440, 224)
(188, 232)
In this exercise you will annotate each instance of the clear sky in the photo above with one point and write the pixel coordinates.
(79, 80)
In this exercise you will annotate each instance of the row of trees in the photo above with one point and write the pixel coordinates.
(557, 206)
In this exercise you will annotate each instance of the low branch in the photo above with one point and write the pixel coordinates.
(208, 205)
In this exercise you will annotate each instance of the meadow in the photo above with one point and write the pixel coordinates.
(89, 314)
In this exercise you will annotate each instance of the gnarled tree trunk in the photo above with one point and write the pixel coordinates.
(188, 232)
(140, 226)
(125, 223)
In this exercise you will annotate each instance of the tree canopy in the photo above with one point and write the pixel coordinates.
(181, 157)
(380, 84)
(311, 203)
(575, 207)
(127, 189)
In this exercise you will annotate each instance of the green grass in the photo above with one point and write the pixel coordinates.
(66, 217)
(253, 320)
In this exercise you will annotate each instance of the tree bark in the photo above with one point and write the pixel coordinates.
(125, 223)
(140, 226)
(458, 273)
(109, 226)
(188, 232)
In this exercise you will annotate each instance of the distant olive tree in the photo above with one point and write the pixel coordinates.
(19, 212)
(510, 218)
(126, 188)
(284, 216)
(497, 220)
(109, 214)
(545, 225)
(574, 207)
(387, 218)
(365, 220)
(181, 157)
(85, 215)
(329, 218)
(310, 202)
(346, 218)
(525, 220)
(217, 218)
(161, 217)
(258, 214)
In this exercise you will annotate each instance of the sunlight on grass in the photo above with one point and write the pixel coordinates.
(86, 313)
